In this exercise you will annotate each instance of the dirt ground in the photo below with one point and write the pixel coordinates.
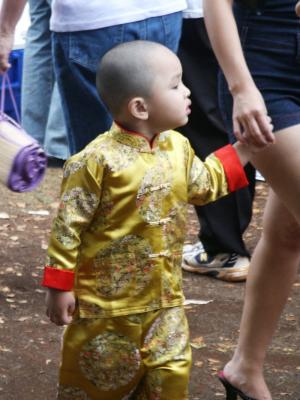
(30, 345)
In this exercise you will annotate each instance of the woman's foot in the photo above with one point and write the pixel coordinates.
(250, 382)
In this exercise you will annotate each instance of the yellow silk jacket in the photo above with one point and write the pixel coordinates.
(118, 235)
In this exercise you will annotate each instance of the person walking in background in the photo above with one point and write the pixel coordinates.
(41, 111)
(42, 115)
(114, 270)
(257, 45)
(83, 32)
(221, 251)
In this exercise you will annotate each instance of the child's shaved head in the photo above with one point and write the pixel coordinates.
(127, 71)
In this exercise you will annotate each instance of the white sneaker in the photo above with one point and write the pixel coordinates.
(193, 248)
(224, 266)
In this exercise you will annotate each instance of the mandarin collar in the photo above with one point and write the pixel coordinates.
(134, 139)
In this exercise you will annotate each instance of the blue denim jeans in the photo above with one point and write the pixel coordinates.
(77, 55)
(42, 115)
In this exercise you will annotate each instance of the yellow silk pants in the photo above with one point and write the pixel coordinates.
(136, 357)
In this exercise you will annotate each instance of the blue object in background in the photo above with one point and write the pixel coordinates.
(15, 76)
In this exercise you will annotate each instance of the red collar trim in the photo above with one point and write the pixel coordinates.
(137, 134)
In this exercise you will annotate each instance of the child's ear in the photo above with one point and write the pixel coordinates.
(137, 107)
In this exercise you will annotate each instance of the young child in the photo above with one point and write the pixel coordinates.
(114, 272)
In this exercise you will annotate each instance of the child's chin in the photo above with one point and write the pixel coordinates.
(181, 123)
(184, 122)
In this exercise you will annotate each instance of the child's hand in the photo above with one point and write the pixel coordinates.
(246, 151)
(60, 306)
(254, 148)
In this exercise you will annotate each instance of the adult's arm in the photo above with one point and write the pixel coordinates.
(251, 123)
(10, 13)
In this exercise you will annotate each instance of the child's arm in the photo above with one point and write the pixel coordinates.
(80, 197)
(221, 173)
(218, 175)
(60, 306)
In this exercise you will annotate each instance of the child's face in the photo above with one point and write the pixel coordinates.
(169, 104)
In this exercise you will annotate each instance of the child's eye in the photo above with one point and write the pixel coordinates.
(176, 86)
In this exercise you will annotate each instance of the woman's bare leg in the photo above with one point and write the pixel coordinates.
(273, 266)
(280, 165)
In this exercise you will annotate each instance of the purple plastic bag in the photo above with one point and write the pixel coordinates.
(23, 162)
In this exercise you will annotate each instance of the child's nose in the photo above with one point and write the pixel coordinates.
(187, 91)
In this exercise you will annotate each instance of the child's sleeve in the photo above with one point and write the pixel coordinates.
(80, 197)
(220, 174)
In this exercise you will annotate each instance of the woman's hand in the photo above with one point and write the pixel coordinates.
(251, 123)
(60, 306)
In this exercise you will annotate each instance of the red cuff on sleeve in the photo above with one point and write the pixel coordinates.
(234, 171)
(58, 278)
